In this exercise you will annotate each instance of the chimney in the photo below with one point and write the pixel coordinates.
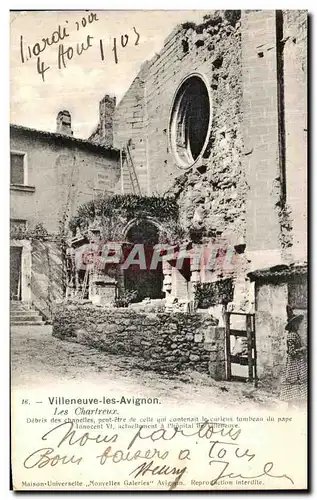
(107, 107)
(64, 123)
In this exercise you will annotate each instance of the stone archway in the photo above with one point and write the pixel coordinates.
(147, 282)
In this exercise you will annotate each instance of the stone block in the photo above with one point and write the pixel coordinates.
(214, 333)
(194, 357)
(211, 347)
(213, 356)
(145, 343)
(217, 370)
(170, 358)
(198, 337)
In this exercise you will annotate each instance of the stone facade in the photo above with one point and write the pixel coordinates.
(261, 134)
(251, 173)
(59, 173)
(296, 129)
(248, 186)
(211, 192)
(218, 120)
(275, 135)
(62, 173)
(103, 134)
(161, 342)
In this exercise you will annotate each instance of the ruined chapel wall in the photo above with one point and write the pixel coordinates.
(274, 68)
(211, 199)
(261, 136)
(130, 124)
(233, 195)
(296, 126)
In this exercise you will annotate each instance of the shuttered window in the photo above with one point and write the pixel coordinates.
(17, 168)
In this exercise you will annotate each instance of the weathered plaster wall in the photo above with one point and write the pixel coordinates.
(270, 320)
(47, 275)
(64, 176)
(161, 342)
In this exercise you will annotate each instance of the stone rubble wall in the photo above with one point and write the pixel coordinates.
(162, 342)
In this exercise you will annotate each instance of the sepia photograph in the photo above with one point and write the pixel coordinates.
(158, 249)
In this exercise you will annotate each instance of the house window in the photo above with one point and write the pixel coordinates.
(190, 121)
(17, 168)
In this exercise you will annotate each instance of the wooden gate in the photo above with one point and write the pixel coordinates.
(247, 357)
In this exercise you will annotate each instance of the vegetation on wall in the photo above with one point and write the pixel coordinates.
(126, 298)
(108, 213)
(127, 207)
(38, 233)
(211, 294)
(284, 214)
(173, 234)
(210, 20)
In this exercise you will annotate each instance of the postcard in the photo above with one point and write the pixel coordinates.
(158, 250)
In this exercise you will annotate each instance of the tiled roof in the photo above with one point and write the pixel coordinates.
(278, 273)
(67, 139)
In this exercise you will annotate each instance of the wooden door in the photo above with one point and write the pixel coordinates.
(15, 272)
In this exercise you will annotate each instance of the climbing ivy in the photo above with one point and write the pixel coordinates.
(128, 206)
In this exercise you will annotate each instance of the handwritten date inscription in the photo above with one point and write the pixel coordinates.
(66, 52)
(223, 447)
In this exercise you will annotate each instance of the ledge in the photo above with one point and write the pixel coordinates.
(278, 273)
(22, 187)
(66, 140)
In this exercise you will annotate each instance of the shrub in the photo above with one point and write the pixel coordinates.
(126, 298)
(211, 294)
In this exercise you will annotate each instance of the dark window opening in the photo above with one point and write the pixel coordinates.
(15, 272)
(17, 168)
(148, 282)
(190, 120)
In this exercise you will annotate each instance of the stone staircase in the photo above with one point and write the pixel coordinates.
(22, 314)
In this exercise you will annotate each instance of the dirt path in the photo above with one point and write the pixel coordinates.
(35, 354)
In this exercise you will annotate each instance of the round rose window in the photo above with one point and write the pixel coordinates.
(190, 121)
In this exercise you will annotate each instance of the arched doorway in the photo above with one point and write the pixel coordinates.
(147, 282)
